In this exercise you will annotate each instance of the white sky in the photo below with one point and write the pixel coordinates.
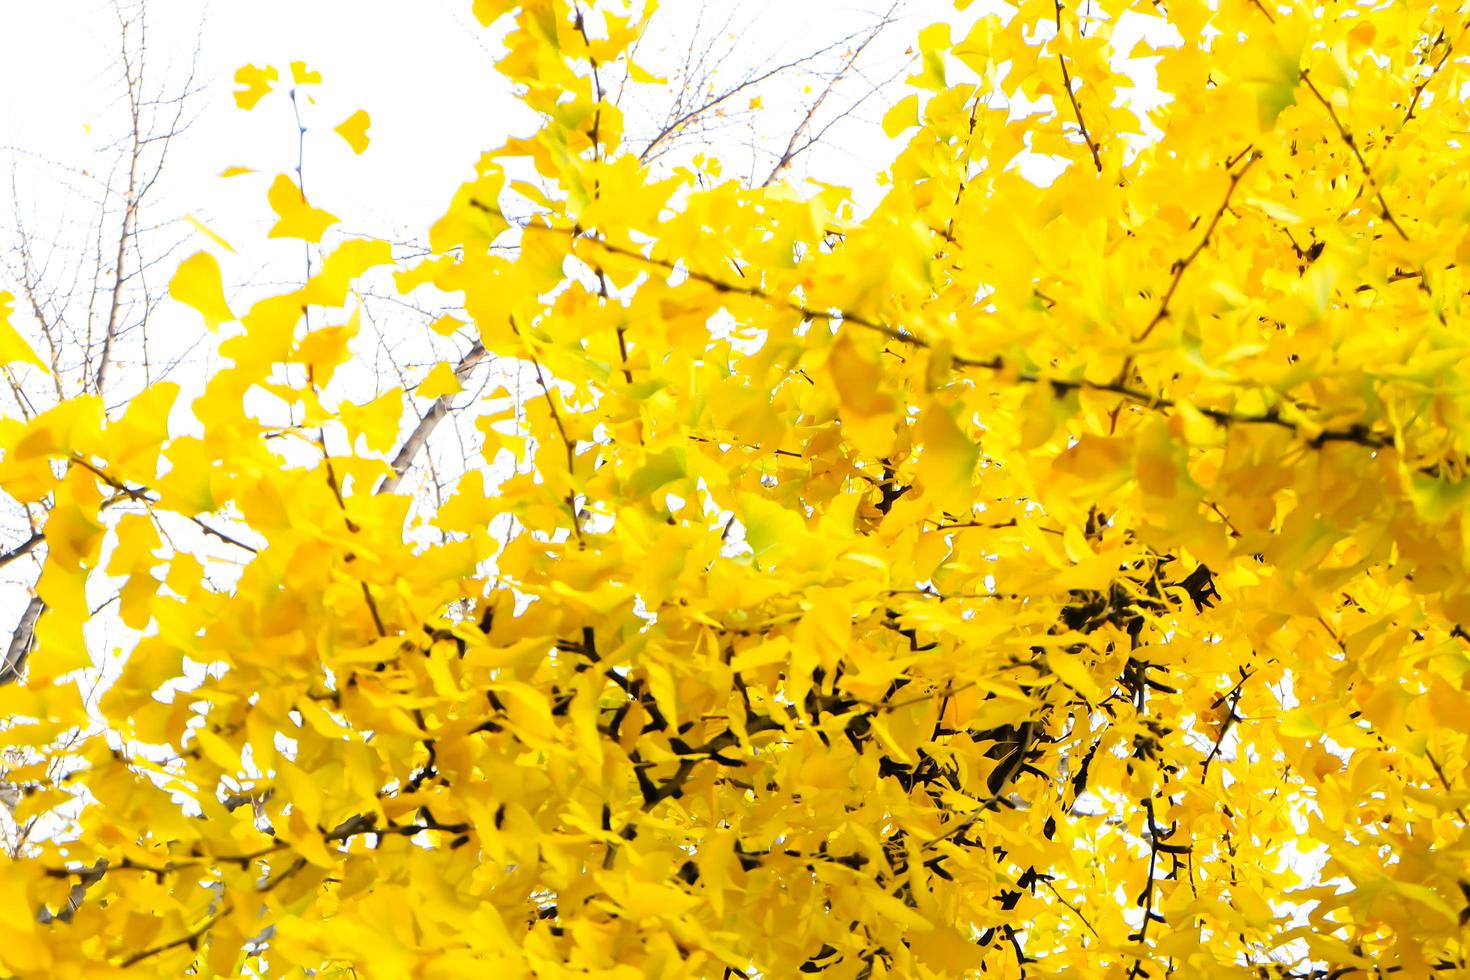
(423, 70)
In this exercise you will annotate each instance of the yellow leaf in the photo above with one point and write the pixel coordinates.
(440, 382)
(219, 750)
(447, 326)
(208, 232)
(302, 75)
(13, 347)
(1198, 429)
(949, 954)
(197, 284)
(528, 713)
(770, 652)
(1095, 464)
(661, 685)
(1043, 412)
(601, 601)
(641, 900)
(934, 41)
(1301, 723)
(136, 541)
(903, 115)
(300, 790)
(324, 349)
(134, 440)
(298, 219)
(1072, 672)
(255, 82)
(858, 380)
(473, 217)
(330, 286)
(771, 530)
(1270, 67)
(354, 129)
(489, 11)
(947, 459)
(376, 421)
(42, 801)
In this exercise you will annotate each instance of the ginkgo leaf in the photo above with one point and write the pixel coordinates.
(13, 347)
(255, 82)
(770, 529)
(473, 216)
(376, 421)
(348, 261)
(903, 115)
(947, 456)
(197, 284)
(858, 380)
(236, 171)
(439, 382)
(354, 130)
(208, 232)
(447, 325)
(489, 11)
(297, 218)
(302, 75)
(1074, 674)
(326, 348)
(1272, 67)
(1301, 723)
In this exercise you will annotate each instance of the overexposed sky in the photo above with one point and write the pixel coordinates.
(423, 70)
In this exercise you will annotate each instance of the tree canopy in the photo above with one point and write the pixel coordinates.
(1027, 576)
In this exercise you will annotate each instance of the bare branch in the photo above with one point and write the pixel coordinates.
(22, 549)
(133, 79)
(419, 437)
(21, 641)
(792, 150)
(681, 119)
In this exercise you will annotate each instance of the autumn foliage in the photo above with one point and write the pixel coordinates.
(1035, 576)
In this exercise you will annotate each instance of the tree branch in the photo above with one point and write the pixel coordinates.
(419, 437)
(24, 548)
(21, 641)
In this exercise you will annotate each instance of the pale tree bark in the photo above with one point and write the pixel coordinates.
(418, 438)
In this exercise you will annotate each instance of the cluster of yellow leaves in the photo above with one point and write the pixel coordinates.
(1023, 579)
(257, 81)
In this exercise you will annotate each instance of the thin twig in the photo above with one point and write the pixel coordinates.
(1182, 265)
(190, 939)
(569, 444)
(24, 548)
(683, 119)
(1352, 144)
(130, 203)
(1072, 98)
(791, 152)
